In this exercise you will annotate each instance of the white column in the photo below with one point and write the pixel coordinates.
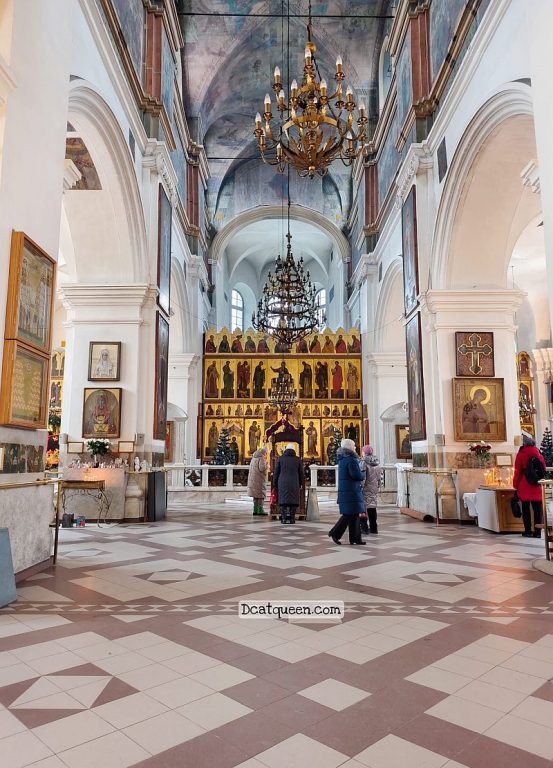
(124, 313)
(444, 313)
(386, 386)
(183, 392)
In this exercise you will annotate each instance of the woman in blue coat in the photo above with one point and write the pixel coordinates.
(350, 494)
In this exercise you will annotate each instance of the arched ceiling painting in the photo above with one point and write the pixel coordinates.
(229, 62)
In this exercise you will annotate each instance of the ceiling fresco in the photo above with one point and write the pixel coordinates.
(229, 64)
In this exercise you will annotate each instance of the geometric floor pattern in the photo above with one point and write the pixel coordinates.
(131, 652)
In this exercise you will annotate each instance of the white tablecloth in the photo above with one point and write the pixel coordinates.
(469, 501)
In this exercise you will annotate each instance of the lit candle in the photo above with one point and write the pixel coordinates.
(258, 120)
(279, 150)
(323, 87)
(294, 87)
(277, 74)
(307, 53)
(267, 103)
(362, 109)
(349, 94)
(281, 97)
(339, 64)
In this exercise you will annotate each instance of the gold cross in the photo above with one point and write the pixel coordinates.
(475, 350)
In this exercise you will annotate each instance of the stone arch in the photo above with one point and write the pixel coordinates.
(457, 253)
(297, 212)
(390, 307)
(117, 251)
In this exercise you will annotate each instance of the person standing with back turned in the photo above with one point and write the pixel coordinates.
(287, 479)
(350, 495)
(529, 493)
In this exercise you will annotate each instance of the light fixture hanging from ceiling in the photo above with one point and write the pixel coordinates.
(287, 309)
(315, 127)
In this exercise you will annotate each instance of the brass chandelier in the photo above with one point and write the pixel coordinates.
(315, 127)
(287, 309)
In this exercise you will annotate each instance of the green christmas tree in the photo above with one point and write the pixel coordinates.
(223, 452)
(546, 447)
(333, 446)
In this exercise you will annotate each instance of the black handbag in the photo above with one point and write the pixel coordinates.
(515, 505)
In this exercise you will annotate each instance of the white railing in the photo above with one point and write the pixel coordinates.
(197, 477)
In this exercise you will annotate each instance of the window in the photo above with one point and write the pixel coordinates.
(385, 73)
(237, 311)
(320, 303)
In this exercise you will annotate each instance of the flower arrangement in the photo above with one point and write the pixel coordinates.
(482, 452)
(98, 446)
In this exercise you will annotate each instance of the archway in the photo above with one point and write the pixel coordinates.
(103, 270)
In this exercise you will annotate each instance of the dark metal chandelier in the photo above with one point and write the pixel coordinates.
(315, 127)
(287, 308)
(282, 393)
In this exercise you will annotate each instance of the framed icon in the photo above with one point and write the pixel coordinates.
(104, 360)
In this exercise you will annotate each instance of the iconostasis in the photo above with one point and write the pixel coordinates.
(240, 368)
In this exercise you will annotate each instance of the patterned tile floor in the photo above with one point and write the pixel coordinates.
(131, 651)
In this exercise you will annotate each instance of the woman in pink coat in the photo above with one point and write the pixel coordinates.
(528, 493)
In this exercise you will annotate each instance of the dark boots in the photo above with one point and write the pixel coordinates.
(373, 527)
(288, 515)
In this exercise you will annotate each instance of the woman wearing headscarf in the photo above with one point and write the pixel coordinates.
(350, 496)
(257, 474)
(287, 480)
(530, 494)
(370, 464)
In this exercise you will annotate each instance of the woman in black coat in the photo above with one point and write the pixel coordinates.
(287, 480)
(350, 494)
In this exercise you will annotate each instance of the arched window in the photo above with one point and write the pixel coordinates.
(320, 302)
(237, 311)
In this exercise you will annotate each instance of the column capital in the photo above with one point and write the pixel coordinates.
(382, 363)
(366, 269)
(183, 365)
(543, 358)
(117, 304)
(158, 160)
(477, 307)
(419, 157)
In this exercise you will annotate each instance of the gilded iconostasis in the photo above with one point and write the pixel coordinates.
(241, 368)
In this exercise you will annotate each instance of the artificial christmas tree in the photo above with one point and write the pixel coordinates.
(333, 446)
(546, 448)
(223, 452)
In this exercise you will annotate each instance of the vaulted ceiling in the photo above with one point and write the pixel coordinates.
(231, 50)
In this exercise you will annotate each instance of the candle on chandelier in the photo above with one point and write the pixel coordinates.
(362, 109)
(281, 97)
(323, 87)
(258, 121)
(339, 64)
(267, 103)
(307, 54)
(277, 74)
(294, 87)
(349, 94)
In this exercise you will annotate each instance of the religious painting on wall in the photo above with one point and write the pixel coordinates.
(30, 294)
(102, 413)
(241, 368)
(165, 214)
(479, 409)
(474, 353)
(161, 377)
(415, 382)
(403, 442)
(169, 441)
(254, 434)
(410, 252)
(24, 401)
(104, 360)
